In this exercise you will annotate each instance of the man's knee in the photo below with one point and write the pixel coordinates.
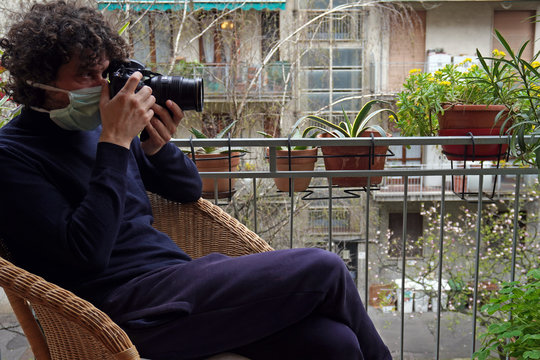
(325, 263)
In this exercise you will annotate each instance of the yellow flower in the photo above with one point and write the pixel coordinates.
(473, 67)
(249, 166)
(535, 64)
(467, 60)
(498, 53)
(438, 72)
(446, 83)
(414, 71)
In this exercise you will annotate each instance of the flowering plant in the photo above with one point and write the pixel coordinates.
(523, 99)
(427, 94)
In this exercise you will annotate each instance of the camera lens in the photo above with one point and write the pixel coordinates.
(187, 93)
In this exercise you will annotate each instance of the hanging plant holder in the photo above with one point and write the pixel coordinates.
(463, 185)
(313, 192)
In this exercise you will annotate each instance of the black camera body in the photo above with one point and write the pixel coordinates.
(187, 93)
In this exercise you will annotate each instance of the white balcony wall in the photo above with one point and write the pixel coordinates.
(460, 28)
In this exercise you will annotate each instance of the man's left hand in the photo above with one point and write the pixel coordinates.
(162, 127)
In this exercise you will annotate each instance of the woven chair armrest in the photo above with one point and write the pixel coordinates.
(200, 228)
(60, 313)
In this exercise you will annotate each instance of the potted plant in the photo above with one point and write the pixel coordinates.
(458, 100)
(515, 331)
(353, 157)
(214, 159)
(523, 99)
(297, 158)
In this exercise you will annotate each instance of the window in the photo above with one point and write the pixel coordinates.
(151, 39)
(341, 220)
(347, 57)
(332, 76)
(218, 42)
(404, 155)
(338, 26)
(314, 4)
(316, 57)
(270, 31)
(414, 232)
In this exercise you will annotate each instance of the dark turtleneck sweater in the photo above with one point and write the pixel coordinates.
(75, 211)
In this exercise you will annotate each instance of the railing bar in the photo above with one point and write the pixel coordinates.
(441, 248)
(403, 262)
(216, 194)
(291, 228)
(388, 172)
(272, 159)
(255, 205)
(516, 227)
(477, 260)
(366, 247)
(273, 142)
(330, 208)
(515, 235)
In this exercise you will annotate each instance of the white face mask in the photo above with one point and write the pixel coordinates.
(82, 113)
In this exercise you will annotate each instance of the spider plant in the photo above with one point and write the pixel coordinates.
(348, 129)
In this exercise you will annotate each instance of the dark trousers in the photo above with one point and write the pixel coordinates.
(299, 304)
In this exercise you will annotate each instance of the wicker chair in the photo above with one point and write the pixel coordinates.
(60, 325)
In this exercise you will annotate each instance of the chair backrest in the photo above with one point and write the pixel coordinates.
(60, 325)
(200, 228)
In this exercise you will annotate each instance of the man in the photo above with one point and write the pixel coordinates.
(74, 210)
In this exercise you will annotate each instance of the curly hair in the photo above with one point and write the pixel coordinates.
(50, 35)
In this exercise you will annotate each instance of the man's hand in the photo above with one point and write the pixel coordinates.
(125, 115)
(162, 127)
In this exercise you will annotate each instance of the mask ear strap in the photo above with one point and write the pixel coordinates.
(45, 87)
(40, 109)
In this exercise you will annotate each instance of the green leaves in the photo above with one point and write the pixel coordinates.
(522, 98)
(519, 335)
(348, 129)
(123, 28)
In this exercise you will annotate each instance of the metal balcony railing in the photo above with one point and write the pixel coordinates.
(449, 269)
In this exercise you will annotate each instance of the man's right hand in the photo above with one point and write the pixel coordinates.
(125, 115)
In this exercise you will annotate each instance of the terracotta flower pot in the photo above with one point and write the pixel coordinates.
(301, 160)
(360, 160)
(479, 120)
(217, 163)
